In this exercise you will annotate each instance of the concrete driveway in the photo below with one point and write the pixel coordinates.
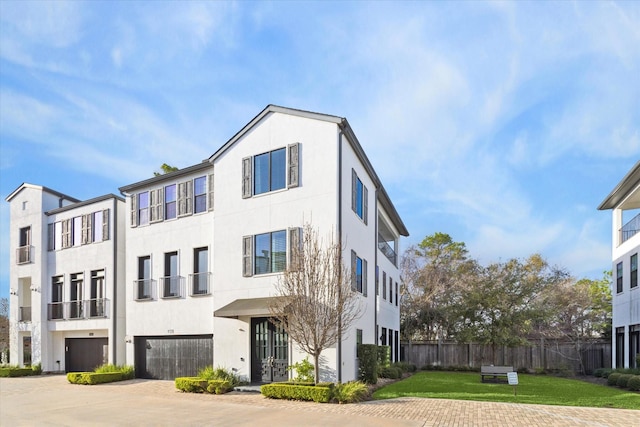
(52, 401)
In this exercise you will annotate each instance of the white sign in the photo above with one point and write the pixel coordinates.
(512, 377)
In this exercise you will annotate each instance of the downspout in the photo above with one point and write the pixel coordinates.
(114, 304)
(339, 361)
(375, 259)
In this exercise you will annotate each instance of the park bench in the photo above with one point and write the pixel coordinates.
(494, 371)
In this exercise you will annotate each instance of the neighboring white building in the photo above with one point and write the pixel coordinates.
(66, 267)
(205, 246)
(624, 200)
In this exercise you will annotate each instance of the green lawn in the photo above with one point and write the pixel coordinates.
(539, 389)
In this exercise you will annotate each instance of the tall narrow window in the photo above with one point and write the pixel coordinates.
(170, 211)
(200, 281)
(619, 277)
(390, 290)
(377, 280)
(98, 300)
(76, 305)
(97, 226)
(383, 338)
(77, 231)
(200, 194)
(384, 285)
(634, 270)
(396, 294)
(143, 284)
(359, 197)
(358, 274)
(171, 280)
(143, 208)
(619, 348)
(56, 307)
(270, 252)
(358, 341)
(24, 246)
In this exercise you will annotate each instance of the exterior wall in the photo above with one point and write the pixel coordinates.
(314, 201)
(186, 315)
(626, 304)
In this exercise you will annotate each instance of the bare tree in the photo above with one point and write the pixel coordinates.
(317, 301)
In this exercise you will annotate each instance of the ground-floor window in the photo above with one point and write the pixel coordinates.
(620, 347)
(634, 345)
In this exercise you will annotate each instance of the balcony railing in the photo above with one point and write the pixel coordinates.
(630, 229)
(172, 286)
(387, 250)
(74, 310)
(145, 290)
(23, 255)
(199, 284)
(24, 314)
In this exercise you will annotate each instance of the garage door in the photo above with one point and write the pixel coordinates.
(85, 354)
(166, 358)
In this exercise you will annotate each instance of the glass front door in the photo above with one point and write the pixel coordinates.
(269, 358)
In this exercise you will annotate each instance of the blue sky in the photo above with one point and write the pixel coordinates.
(502, 124)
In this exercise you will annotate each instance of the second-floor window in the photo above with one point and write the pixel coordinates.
(143, 208)
(384, 285)
(144, 282)
(24, 246)
(267, 252)
(200, 277)
(171, 279)
(619, 277)
(200, 194)
(634, 270)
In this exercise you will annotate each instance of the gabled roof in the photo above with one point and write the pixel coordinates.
(168, 176)
(346, 129)
(41, 188)
(85, 203)
(623, 190)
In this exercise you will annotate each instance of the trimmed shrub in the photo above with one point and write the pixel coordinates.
(92, 378)
(127, 371)
(75, 377)
(368, 366)
(317, 393)
(390, 372)
(612, 379)
(14, 371)
(219, 373)
(634, 383)
(384, 356)
(191, 384)
(218, 386)
(405, 366)
(602, 372)
(351, 392)
(623, 380)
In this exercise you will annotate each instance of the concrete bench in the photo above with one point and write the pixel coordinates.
(494, 372)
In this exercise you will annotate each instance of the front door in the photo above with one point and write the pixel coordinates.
(269, 358)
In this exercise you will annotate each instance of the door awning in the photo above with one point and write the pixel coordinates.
(246, 307)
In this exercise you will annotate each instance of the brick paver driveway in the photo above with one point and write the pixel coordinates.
(52, 401)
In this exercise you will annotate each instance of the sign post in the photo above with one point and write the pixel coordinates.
(512, 377)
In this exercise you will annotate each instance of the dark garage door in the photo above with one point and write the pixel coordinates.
(85, 354)
(166, 358)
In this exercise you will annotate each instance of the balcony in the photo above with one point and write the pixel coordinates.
(630, 229)
(78, 310)
(24, 314)
(387, 250)
(145, 290)
(199, 284)
(172, 287)
(23, 255)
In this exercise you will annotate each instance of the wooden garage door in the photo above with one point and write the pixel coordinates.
(166, 358)
(85, 354)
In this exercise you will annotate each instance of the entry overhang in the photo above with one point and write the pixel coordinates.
(246, 307)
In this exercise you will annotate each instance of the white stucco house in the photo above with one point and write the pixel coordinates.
(203, 247)
(624, 201)
(66, 268)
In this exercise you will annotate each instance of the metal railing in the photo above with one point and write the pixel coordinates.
(172, 286)
(630, 229)
(199, 284)
(24, 314)
(387, 250)
(144, 290)
(23, 255)
(74, 310)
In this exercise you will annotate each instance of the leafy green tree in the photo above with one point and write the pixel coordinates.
(165, 169)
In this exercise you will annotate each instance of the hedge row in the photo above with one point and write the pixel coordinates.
(17, 372)
(321, 393)
(92, 378)
(200, 385)
(622, 380)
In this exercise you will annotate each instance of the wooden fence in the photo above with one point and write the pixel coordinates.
(541, 354)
